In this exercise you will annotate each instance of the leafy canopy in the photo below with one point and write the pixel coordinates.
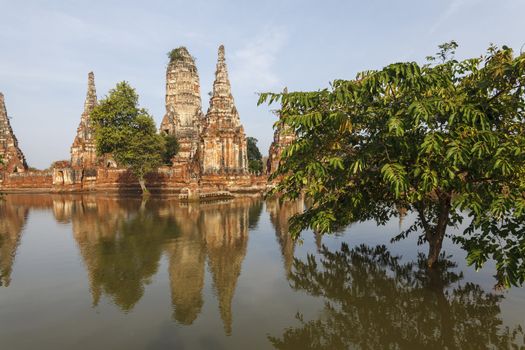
(445, 140)
(254, 155)
(127, 132)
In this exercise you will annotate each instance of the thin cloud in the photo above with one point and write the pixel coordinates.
(452, 9)
(254, 64)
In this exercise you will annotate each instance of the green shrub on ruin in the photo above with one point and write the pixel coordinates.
(176, 54)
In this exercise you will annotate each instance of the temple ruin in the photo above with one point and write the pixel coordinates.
(12, 157)
(212, 158)
(183, 116)
(223, 140)
(83, 151)
(283, 137)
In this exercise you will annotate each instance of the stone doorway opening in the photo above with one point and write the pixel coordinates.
(60, 178)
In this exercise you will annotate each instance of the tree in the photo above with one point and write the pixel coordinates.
(171, 148)
(445, 140)
(127, 132)
(254, 156)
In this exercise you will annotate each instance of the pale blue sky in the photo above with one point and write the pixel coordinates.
(48, 47)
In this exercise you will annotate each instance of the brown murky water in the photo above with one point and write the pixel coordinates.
(95, 272)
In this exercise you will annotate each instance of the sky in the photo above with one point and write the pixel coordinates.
(47, 48)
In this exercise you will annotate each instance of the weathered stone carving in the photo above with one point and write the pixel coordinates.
(13, 158)
(283, 137)
(63, 174)
(83, 151)
(223, 139)
(183, 116)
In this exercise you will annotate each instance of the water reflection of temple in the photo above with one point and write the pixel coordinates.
(218, 232)
(280, 212)
(187, 255)
(226, 241)
(122, 241)
(12, 220)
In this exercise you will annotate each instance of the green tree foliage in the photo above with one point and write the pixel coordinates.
(445, 140)
(254, 156)
(127, 132)
(171, 148)
(177, 54)
(376, 301)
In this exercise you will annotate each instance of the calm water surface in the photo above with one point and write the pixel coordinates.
(95, 272)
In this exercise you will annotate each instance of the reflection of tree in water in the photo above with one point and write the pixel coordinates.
(374, 301)
(12, 220)
(254, 213)
(121, 246)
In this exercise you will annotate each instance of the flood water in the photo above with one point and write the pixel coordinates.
(102, 272)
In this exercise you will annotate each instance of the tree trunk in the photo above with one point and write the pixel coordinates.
(434, 248)
(435, 238)
(142, 183)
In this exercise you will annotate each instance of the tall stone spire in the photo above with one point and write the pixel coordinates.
(183, 116)
(13, 158)
(91, 96)
(83, 151)
(224, 147)
(222, 106)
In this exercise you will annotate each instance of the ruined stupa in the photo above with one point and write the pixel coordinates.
(13, 158)
(223, 138)
(183, 116)
(283, 137)
(83, 151)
